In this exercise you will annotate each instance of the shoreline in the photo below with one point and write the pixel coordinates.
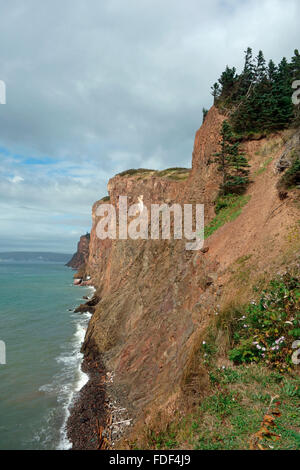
(87, 413)
(88, 417)
(97, 417)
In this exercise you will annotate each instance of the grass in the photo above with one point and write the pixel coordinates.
(263, 167)
(175, 173)
(236, 408)
(232, 414)
(228, 208)
(269, 148)
(252, 402)
(135, 171)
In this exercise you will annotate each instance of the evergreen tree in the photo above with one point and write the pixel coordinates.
(261, 69)
(272, 71)
(239, 174)
(215, 91)
(204, 113)
(282, 89)
(227, 81)
(295, 65)
(232, 164)
(247, 76)
(259, 99)
(249, 66)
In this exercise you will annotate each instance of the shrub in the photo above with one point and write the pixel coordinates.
(291, 177)
(267, 329)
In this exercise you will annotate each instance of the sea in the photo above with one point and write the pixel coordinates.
(42, 335)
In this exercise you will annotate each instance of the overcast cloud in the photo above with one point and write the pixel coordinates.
(95, 87)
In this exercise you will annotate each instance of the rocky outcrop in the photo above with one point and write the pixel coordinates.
(157, 298)
(81, 256)
(290, 153)
(88, 306)
(155, 295)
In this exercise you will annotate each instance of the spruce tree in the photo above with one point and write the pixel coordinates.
(260, 69)
(249, 66)
(272, 71)
(204, 114)
(227, 81)
(295, 65)
(259, 99)
(232, 164)
(283, 91)
(215, 91)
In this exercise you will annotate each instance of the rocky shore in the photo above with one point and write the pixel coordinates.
(88, 415)
(97, 420)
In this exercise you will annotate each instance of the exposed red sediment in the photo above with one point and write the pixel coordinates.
(156, 297)
(81, 256)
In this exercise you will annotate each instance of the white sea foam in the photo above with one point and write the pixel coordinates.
(80, 378)
(66, 385)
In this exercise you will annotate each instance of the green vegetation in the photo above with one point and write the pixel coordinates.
(264, 166)
(255, 404)
(232, 164)
(268, 327)
(163, 439)
(175, 173)
(235, 414)
(291, 177)
(227, 208)
(134, 171)
(259, 99)
(204, 113)
(232, 415)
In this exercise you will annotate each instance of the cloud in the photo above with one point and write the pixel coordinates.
(16, 179)
(96, 87)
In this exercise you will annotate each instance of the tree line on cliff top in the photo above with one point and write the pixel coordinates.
(258, 99)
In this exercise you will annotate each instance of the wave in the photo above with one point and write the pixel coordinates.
(73, 362)
(66, 385)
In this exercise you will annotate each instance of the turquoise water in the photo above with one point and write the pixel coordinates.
(42, 372)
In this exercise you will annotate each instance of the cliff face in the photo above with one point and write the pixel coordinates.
(81, 256)
(157, 298)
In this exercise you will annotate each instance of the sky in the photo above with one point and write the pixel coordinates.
(96, 87)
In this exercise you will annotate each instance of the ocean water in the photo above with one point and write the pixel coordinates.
(42, 373)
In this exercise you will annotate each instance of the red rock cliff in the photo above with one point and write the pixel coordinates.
(156, 297)
(81, 256)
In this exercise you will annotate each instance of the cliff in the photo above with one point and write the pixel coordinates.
(157, 299)
(81, 256)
